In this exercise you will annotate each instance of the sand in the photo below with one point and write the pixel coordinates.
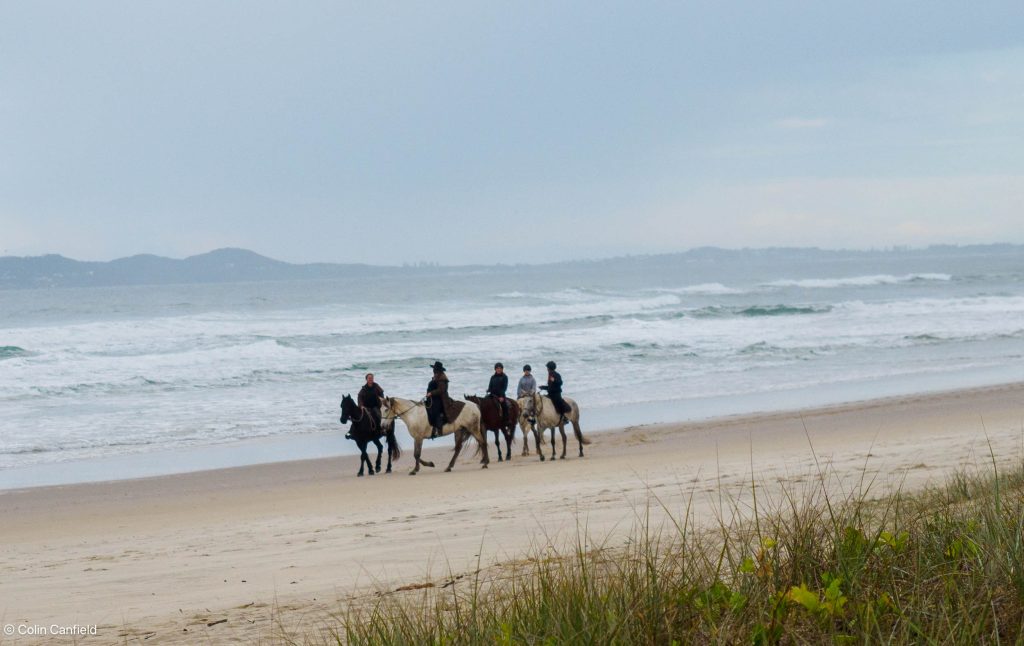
(279, 547)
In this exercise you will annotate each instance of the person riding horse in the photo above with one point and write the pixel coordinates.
(370, 397)
(497, 386)
(554, 388)
(441, 408)
(527, 388)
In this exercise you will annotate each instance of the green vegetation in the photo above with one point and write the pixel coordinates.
(938, 566)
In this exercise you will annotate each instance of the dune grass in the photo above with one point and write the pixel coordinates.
(937, 566)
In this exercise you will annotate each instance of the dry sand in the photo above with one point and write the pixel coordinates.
(281, 546)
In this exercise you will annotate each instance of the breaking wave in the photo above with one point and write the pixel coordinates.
(857, 281)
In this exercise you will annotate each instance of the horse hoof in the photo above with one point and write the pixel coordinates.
(484, 466)
(388, 471)
(359, 475)
(542, 458)
(562, 458)
(412, 473)
(499, 459)
(371, 472)
(448, 470)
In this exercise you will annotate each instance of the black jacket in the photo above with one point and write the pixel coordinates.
(554, 385)
(498, 385)
(369, 396)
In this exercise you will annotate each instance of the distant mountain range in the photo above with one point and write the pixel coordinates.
(241, 265)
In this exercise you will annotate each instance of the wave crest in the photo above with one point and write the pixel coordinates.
(857, 281)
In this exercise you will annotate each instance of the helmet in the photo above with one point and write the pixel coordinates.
(498, 365)
(527, 368)
(550, 365)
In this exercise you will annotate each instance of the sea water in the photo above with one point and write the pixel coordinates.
(88, 375)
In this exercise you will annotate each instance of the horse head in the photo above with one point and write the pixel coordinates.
(347, 408)
(471, 398)
(387, 417)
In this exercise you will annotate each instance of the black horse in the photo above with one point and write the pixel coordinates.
(364, 430)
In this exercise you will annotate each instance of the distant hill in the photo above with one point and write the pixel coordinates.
(220, 266)
(241, 265)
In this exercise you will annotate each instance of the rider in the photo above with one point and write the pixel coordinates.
(527, 388)
(554, 388)
(370, 396)
(436, 400)
(497, 386)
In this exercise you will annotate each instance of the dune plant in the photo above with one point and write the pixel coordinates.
(942, 565)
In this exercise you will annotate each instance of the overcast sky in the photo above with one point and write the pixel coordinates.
(506, 132)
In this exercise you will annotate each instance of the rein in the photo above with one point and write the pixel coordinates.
(414, 405)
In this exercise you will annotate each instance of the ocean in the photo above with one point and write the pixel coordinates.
(161, 376)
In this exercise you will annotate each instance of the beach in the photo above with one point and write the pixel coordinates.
(249, 553)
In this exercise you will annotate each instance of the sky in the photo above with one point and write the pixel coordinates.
(468, 132)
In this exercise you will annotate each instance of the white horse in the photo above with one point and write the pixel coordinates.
(538, 414)
(414, 414)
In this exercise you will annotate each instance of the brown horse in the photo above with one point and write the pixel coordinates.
(490, 420)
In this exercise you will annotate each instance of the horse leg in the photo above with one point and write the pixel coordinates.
(366, 456)
(561, 428)
(538, 435)
(380, 449)
(459, 437)
(363, 459)
(497, 443)
(526, 441)
(417, 448)
(483, 446)
(579, 434)
(553, 444)
(509, 433)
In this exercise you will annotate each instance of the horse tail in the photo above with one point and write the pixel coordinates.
(576, 425)
(394, 451)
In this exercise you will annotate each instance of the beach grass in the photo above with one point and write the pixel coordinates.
(822, 562)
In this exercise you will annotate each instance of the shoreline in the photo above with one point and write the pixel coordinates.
(331, 444)
(287, 543)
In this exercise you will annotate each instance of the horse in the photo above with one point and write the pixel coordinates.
(414, 414)
(544, 416)
(365, 430)
(490, 420)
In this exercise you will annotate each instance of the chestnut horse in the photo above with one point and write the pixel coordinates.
(490, 420)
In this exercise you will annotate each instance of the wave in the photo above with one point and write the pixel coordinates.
(783, 310)
(13, 352)
(718, 311)
(857, 281)
(708, 289)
